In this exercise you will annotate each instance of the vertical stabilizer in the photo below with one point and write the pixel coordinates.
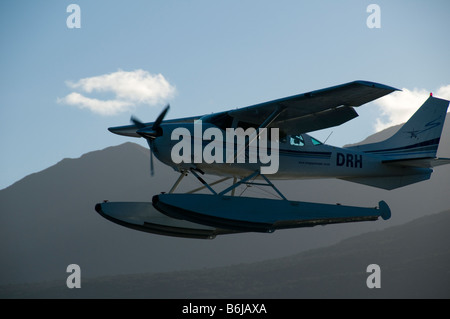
(418, 138)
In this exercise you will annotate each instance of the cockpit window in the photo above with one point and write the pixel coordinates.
(297, 140)
(302, 140)
(315, 142)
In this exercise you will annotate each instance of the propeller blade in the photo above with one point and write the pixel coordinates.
(150, 146)
(152, 170)
(161, 116)
(137, 122)
(150, 133)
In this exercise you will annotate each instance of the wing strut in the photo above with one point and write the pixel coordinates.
(272, 117)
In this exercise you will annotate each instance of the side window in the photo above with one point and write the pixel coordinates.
(315, 142)
(297, 140)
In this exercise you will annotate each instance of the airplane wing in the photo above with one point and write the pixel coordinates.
(298, 114)
(314, 110)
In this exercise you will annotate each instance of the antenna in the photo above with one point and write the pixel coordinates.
(328, 137)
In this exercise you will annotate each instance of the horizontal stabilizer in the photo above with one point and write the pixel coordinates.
(389, 182)
(419, 162)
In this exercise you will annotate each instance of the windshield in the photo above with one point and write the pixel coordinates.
(302, 140)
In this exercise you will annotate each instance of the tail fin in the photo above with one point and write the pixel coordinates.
(418, 138)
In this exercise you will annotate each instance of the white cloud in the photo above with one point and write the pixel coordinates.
(398, 107)
(108, 107)
(129, 89)
(443, 92)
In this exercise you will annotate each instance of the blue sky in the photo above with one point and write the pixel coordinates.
(215, 55)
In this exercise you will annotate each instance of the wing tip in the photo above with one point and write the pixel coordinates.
(377, 85)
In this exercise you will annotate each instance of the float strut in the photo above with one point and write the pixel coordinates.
(174, 187)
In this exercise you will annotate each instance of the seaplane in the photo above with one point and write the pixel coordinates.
(258, 144)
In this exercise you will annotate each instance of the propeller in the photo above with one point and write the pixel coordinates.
(150, 133)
